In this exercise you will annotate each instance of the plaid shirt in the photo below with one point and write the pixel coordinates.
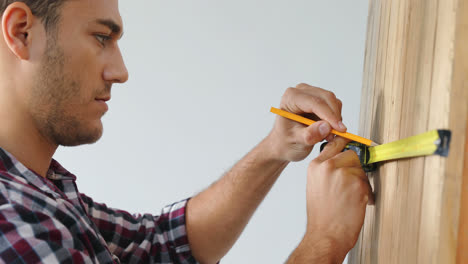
(49, 221)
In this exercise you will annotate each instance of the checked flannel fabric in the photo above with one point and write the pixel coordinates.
(49, 221)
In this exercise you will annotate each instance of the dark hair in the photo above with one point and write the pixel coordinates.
(47, 10)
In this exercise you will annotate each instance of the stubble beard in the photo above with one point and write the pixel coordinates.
(50, 101)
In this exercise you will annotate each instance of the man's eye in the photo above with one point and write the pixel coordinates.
(103, 38)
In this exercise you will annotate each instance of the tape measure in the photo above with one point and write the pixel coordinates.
(434, 142)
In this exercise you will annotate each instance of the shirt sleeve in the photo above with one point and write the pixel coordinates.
(143, 238)
(33, 237)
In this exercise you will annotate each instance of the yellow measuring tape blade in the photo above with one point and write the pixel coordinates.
(420, 145)
(434, 142)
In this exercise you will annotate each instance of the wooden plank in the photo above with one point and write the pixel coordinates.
(415, 79)
(461, 82)
(462, 251)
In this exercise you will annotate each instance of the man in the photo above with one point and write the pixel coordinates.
(58, 61)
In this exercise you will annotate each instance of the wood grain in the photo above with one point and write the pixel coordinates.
(462, 252)
(415, 80)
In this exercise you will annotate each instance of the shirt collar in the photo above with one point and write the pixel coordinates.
(21, 173)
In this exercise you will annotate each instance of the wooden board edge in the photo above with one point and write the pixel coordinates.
(462, 248)
(461, 53)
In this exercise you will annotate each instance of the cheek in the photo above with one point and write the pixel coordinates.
(85, 63)
(84, 79)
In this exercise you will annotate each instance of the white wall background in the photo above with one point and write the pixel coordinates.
(203, 75)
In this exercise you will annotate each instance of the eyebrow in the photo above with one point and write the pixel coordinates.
(112, 25)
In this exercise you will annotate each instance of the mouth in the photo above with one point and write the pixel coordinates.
(102, 102)
(103, 99)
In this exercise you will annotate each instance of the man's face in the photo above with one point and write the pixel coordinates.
(74, 78)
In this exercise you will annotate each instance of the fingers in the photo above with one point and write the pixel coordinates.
(349, 161)
(328, 96)
(347, 165)
(308, 99)
(348, 158)
(332, 149)
(307, 103)
(316, 133)
(366, 186)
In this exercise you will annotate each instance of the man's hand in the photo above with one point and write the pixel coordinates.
(337, 193)
(292, 141)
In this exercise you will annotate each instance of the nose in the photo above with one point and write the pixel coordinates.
(116, 71)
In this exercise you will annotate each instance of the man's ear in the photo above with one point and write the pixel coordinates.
(17, 22)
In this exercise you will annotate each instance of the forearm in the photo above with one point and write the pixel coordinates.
(317, 250)
(217, 216)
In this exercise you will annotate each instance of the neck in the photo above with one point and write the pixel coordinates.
(20, 137)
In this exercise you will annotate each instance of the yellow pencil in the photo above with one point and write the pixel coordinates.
(309, 122)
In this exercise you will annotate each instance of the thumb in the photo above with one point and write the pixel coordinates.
(316, 132)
